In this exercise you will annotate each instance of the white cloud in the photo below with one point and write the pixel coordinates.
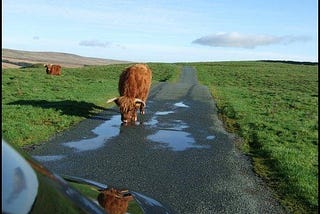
(238, 40)
(98, 44)
(93, 43)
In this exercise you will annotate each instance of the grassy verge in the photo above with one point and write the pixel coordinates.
(274, 108)
(35, 105)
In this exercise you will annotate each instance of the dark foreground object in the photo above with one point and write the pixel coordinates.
(28, 187)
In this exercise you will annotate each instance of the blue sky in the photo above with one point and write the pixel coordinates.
(165, 31)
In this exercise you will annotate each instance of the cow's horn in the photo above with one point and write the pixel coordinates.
(112, 100)
(140, 101)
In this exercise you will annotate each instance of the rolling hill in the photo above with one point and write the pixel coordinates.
(17, 58)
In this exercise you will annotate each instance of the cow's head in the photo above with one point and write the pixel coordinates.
(48, 67)
(128, 107)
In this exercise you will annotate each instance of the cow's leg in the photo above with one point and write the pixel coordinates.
(141, 109)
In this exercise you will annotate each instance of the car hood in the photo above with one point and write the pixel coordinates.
(29, 187)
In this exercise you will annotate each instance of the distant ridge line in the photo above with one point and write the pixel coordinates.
(290, 62)
(17, 58)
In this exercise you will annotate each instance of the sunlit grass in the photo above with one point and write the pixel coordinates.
(274, 108)
(35, 106)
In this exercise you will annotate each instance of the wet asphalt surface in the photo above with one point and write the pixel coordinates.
(178, 154)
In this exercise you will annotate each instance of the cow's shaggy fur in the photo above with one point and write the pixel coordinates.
(53, 69)
(134, 85)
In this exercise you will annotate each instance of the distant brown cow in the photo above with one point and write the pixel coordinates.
(134, 85)
(53, 69)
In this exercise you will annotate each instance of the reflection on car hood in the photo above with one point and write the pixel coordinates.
(145, 204)
(28, 187)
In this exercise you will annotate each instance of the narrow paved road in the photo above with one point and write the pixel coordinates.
(179, 154)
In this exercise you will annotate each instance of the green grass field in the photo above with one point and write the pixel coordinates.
(274, 108)
(35, 105)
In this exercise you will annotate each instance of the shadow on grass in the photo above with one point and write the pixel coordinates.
(67, 107)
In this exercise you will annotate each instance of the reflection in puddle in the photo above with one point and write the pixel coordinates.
(181, 104)
(176, 140)
(171, 133)
(106, 130)
(164, 112)
(211, 137)
(179, 125)
(46, 158)
(172, 125)
(152, 122)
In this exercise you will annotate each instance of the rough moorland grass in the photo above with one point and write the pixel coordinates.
(274, 108)
(35, 105)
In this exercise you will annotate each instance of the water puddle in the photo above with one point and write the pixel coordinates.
(161, 113)
(105, 131)
(181, 104)
(211, 137)
(151, 122)
(47, 158)
(172, 133)
(178, 125)
(175, 140)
